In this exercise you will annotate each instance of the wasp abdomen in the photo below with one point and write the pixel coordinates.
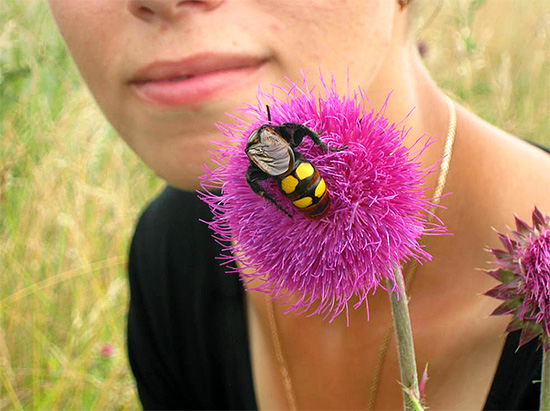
(307, 190)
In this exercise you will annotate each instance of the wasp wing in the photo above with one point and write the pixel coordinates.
(272, 154)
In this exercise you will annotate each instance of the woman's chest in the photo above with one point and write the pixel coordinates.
(340, 370)
(332, 366)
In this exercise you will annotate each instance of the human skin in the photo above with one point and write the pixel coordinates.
(111, 39)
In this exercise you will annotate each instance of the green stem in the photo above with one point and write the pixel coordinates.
(405, 345)
(545, 383)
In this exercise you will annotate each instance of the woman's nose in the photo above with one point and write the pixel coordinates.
(167, 10)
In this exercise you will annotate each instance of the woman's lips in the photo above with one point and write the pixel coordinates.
(184, 90)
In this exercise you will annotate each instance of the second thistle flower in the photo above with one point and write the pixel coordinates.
(524, 274)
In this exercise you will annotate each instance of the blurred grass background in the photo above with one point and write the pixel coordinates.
(70, 190)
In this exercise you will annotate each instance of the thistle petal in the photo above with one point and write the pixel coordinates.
(504, 275)
(514, 325)
(507, 242)
(527, 334)
(538, 219)
(500, 254)
(505, 308)
(522, 226)
(496, 274)
(520, 236)
(501, 292)
(507, 275)
(423, 380)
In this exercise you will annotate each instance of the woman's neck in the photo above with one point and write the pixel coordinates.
(416, 102)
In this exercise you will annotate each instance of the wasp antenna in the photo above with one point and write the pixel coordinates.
(268, 113)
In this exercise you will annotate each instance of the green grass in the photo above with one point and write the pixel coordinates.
(70, 190)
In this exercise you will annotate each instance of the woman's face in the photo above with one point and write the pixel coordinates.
(165, 71)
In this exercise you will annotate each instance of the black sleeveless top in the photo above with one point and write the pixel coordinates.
(187, 329)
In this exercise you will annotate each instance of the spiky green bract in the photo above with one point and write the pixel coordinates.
(524, 273)
(378, 205)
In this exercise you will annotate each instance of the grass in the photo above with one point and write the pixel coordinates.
(70, 190)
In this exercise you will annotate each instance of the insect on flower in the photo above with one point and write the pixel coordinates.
(378, 203)
(272, 153)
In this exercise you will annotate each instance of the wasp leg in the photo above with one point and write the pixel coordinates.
(253, 175)
(317, 140)
(336, 149)
(294, 133)
(298, 133)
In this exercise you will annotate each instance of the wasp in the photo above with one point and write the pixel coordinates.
(272, 153)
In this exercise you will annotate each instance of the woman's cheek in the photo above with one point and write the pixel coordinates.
(89, 29)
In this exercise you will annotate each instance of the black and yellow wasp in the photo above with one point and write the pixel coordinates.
(272, 153)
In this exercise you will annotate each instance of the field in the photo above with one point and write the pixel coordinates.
(70, 190)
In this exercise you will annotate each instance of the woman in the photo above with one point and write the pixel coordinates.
(164, 72)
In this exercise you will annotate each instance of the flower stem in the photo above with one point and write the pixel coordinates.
(545, 383)
(405, 345)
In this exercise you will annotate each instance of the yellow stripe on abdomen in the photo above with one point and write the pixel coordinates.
(320, 189)
(304, 170)
(303, 202)
(288, 184)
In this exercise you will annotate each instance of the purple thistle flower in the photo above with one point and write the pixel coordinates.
(524, 273)
(377, 209)
(107, 350)
(423, 48)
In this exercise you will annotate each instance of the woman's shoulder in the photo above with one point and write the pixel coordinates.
(500, 174)
(493, 176)
(172, 221)
(173, 252)
(182, 306)
(170, 210)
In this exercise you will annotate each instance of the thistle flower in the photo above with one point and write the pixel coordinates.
(107, 350)
(377, 212)
(423, 48)
(524, 273)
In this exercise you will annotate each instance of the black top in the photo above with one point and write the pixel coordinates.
(187, 328)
